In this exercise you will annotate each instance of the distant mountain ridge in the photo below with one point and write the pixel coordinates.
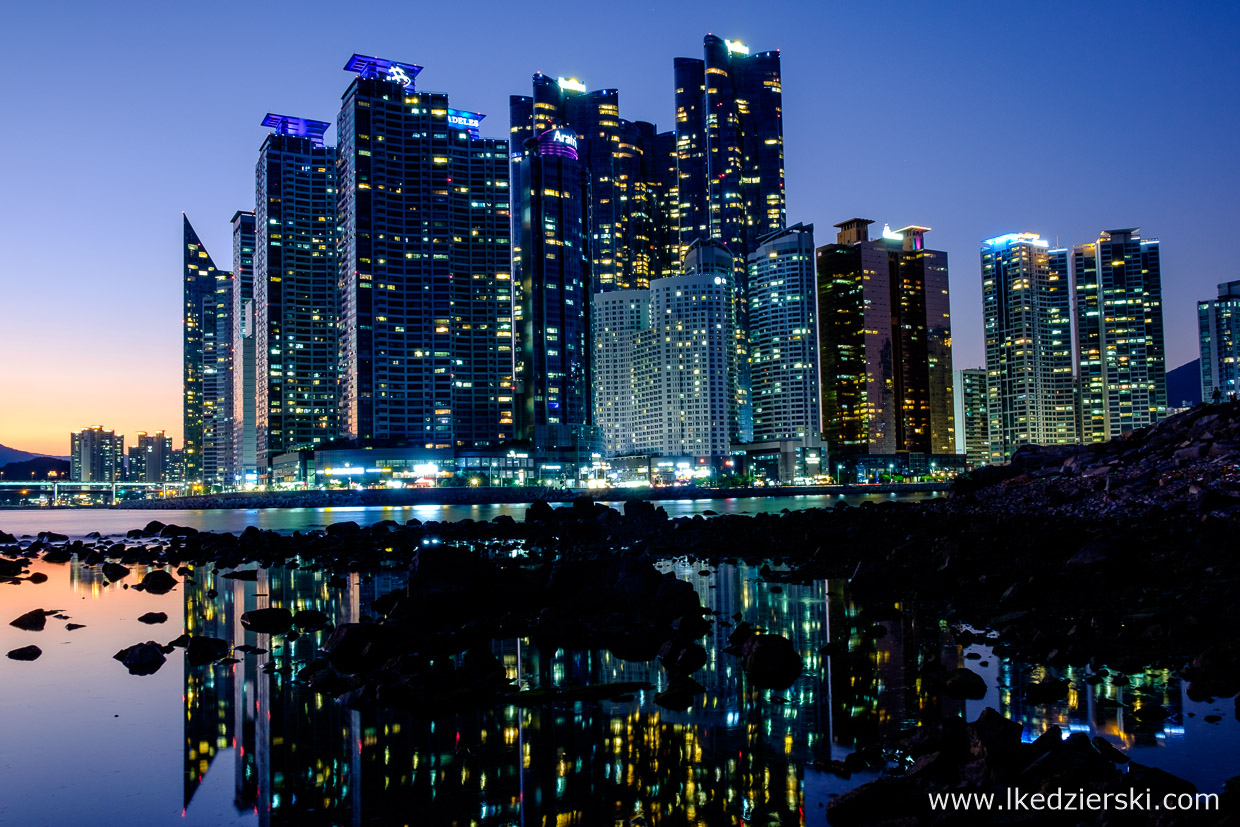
(8, 455)
(1184, 385)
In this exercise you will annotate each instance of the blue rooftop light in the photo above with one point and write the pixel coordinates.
(383, 69)
(297, 127)
(1015, 238)
(469, 121)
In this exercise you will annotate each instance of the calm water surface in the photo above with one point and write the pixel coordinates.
(85, 742)
(77, 522)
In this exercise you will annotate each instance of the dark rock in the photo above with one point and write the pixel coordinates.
(310, 619)
(152, 528)
(344, 528)
(201, 650)
(37, 577)
(680, 658)
(33, 620)
(245, 575)
(153, 617)
(770, 661)
(274, 621)
(25, 653)
(11, 568)
(177, 531)
(1108, 750)
(1159, 781)
(72, 626)
(158, 582)
(142, 658)
(679, 694)
(114, 572)
(1049, 691)
(877, 802)
(347, 649)
(965, 683)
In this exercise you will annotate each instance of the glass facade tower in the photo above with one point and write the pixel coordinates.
(1121, 355)
(729, 145)
(551, 283)
(1218, 326)
(1026, 308)
(885, 343)
(243, 464)
(205, 308)
(630, 168)
(783, 336)
(294, 289)
(424, 267)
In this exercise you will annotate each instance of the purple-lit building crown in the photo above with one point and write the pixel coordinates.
(296, 127)
(383, 69)
(561, 142)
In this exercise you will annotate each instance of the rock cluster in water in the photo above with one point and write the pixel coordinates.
(1115, 556)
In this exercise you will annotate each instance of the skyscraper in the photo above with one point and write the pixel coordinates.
(783, 336)
(711, 257)
(150, 458)
(885, 343)
(552, 289)
(730, 145)
(206, 305)
(96, 455)
(1218, 326)
(1026, 307)
(630, 169)
(1120, 349)
(730, 169)
(972, 423)
(294, 289)
(682, 389)
(616, 317)
(243, 462)
(423, 261)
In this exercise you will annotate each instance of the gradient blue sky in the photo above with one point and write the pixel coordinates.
(974, 118)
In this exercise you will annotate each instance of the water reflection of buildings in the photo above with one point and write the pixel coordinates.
(736, 754)
(1108, 708)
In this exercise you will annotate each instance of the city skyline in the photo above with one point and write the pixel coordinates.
(121, 265)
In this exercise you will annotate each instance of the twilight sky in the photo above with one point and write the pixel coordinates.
(974, 118)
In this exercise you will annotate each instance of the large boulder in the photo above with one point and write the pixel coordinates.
(25, 653)
(201, 650)
(770, 661)
(34, 620)
(273, 621)
(142, 658)
(114, 572)
(157, 582)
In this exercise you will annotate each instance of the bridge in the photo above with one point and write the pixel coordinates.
(56, 488)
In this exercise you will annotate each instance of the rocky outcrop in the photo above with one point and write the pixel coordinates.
(988, 757)
(1188, 465)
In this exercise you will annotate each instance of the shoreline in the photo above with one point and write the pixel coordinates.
(487, 496)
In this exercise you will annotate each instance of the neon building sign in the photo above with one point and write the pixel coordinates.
(469, 121)
(383, 69)
(562, 142)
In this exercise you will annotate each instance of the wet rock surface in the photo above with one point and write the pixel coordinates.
(143, 658)
(26, 653)
(988, 757)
